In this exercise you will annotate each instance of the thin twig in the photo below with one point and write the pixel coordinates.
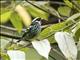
(10, 28)
(9, 36)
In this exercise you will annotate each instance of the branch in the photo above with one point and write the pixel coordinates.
(45, 10)
(12, 32)
(9, 36)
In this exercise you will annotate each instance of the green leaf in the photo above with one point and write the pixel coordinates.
(48, 8)
(31, 54)
(50, 30)
(4, 56)
(16, 21)
(64, 10)
(35, 12)
(5, 16)
(68, 3)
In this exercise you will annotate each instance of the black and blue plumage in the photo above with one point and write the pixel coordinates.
(33, 30)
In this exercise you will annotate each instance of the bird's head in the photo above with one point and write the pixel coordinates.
(36, 21)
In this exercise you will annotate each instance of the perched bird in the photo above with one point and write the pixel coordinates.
(33, 30)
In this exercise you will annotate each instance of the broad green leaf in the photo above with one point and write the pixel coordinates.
(31, 54)
(68, 3)
(16, 55)
(5, 16)
(67, 45)
(16, 21)
(26, 18)
(35, 12)
(47, 8)
(64, 10)
(42, 47)
(50, 30)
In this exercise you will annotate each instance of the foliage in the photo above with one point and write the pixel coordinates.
(21, 13)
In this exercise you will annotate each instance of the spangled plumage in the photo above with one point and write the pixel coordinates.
(34, 29)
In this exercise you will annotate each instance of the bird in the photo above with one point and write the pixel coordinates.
(33, 30)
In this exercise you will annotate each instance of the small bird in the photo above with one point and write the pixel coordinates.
(33, 30)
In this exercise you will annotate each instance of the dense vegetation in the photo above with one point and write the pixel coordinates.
(59, 38)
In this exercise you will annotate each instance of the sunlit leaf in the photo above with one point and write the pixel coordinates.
(64, 10)
(49, 30)
(48, 8)
(35, 12)
(66, 44)
(42, 47)
(16, 21)
(16, 55)
(5, 16)
(68, 3)
(24, 15)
